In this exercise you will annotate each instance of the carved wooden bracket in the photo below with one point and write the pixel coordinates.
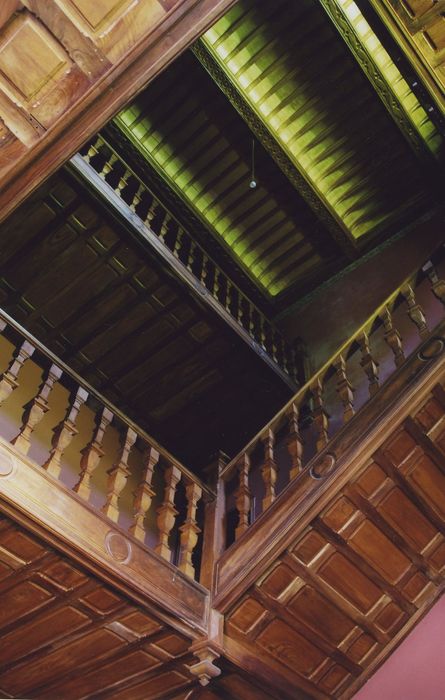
(205, 669)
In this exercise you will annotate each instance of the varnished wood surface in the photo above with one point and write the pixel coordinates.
(69, 65)
(418, 27)
(66, 634)
(336, 586)
(88, 291)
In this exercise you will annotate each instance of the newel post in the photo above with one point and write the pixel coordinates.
(214, 531)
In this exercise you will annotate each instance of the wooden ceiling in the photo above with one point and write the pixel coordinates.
(66, 634)
(345, 154)
(67, 66)
(88, 290)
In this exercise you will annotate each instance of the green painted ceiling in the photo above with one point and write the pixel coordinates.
(287, 64)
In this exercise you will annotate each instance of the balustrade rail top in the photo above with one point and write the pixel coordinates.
(116, 411)
(319, 373)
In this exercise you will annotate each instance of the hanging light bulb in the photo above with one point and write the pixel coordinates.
(253, 183)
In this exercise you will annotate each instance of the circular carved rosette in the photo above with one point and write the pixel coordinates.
(7, 464)
(433, 348)
(118, 547)
(323, 467)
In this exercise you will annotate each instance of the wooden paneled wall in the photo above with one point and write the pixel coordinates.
(67, 66)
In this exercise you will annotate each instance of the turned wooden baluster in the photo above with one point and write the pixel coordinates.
(167, 512)
(191, 258)
(8, 380)
(144, 494)
(392, 337)
(243, 495)
(117, 477)
(189, 530)
(344, 389)
(164, 226)
(415, 311)
(370, 366)
(108, 166)
(269, 469)
(204, 270)
(320, 416)
(262, 336)
(294, 441)
(437, 285)
(64, 433)
(216, 284)
(273, 345)
(36, 409)
(91, 455)
(152, 211)
(93, 149)
(228, 297)
(178, 242)
(122, 182)
(251, 321)
(137, 197)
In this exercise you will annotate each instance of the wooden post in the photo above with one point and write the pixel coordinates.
(117, 477)
(415, 312)
(144, 494)
(64, 433)
(167, 512)
(269, 469)
(344, 389)
(36, 409)
(214, 530)
(392, 337)
(189, 530)
(91, 455)
(294, 441)
(437, 285)
(242, 495)
(321, 418)
(370, 366)
(8, 380)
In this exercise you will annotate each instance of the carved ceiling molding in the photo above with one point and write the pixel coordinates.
(261, 132)
(378, 81)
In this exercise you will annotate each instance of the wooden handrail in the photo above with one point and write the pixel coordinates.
(12, 323)
(310, 397)
(174, 532)
(113, 178)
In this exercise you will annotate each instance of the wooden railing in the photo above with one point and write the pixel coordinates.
(209, 279)
(81, 439)
(288, 444)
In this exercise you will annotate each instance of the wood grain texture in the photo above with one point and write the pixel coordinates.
(74, 62)
(66, 634)
(329, 592)
(419, 28)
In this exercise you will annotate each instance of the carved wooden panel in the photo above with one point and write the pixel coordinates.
(423, 24)
(59, 58)
(65, 634)
(352, 584)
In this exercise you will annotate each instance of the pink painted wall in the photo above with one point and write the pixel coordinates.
(416, 670)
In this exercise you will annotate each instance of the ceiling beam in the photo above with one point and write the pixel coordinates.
(88, 76)
(261, 132)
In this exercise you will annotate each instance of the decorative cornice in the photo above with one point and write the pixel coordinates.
(269, 143)
(380, 84)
